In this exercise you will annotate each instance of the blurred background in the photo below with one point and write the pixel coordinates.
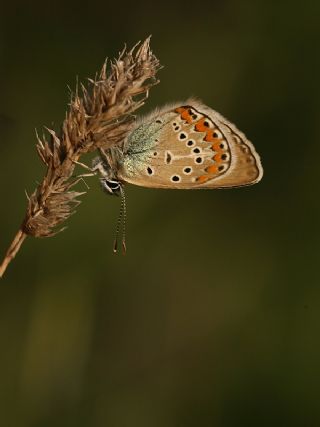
(212, 318)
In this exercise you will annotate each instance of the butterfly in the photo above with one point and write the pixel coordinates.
(182, 146)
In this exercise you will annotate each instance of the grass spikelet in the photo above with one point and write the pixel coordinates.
(99, 116)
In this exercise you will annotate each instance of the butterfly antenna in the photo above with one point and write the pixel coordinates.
(124, 218)
(121, 222)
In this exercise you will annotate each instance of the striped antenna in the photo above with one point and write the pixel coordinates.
(121, 224)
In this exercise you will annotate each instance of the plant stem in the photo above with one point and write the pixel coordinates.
(12, 251)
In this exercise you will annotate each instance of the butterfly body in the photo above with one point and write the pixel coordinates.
(185, 146)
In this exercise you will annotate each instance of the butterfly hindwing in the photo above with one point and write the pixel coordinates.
(187, 147)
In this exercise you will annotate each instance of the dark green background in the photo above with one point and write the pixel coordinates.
(212, 318)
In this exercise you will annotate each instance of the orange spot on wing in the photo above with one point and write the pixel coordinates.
(200, 127)
(217, 157)
(210, 136)
(213, 169)
(184, 113)
(202, 178)
(216, 145)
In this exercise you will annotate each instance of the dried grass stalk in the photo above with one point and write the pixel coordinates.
(99, 116)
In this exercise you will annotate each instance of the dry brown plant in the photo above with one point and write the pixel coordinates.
(99, 116)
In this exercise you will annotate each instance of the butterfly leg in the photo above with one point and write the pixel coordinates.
(92, 170)
(78, 179)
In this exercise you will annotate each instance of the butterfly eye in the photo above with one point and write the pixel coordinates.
(159, 121)
(110, 186)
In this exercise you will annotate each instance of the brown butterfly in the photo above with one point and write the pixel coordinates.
(184, 146)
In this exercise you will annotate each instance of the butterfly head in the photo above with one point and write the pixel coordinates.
(108, 180)
(111, 186)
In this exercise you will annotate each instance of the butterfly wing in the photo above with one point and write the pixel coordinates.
(188, 147)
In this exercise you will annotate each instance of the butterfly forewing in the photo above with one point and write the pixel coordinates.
(189, 146)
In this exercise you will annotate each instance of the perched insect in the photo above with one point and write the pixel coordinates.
(184, 146)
